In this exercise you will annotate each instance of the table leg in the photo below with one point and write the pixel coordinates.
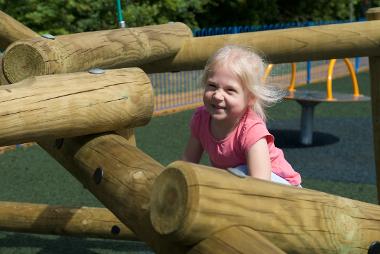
(306, 132)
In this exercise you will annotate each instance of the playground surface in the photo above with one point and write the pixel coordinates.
(340, 162)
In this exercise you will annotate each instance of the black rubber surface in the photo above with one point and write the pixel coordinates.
(342, 149)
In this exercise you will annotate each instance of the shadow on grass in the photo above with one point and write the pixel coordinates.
(290, 139)
(47, 244)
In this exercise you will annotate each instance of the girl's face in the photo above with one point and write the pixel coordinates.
(224, 97)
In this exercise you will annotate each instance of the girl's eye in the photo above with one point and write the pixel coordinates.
(231, 90)
(211, 85)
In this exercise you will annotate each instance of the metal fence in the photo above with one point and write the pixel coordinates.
(180, 91)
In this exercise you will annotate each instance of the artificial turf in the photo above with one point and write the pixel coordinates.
(340, 162)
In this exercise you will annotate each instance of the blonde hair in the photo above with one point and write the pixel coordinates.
(249, 68)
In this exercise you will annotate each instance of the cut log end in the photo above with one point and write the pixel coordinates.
(22, 61)
(170, 201)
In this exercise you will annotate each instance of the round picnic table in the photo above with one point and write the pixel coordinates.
(308, 99)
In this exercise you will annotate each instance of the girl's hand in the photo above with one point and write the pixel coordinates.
(193, 151)
(258, 160)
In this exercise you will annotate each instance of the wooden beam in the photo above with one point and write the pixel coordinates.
(75, 104)
(236, 240)
(128, 134)
(60, 220)
(120, 176)
(11, 30)
(191, 202)
(3, 80)
(281, 46)
(125, 47)
(374, 70)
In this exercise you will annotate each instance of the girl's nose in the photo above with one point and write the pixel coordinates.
(218, 96)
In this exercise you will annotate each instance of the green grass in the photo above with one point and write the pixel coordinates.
(30, 175)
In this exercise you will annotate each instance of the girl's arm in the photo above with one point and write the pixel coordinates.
(193, 151)
(258, 160)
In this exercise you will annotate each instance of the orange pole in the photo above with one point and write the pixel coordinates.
(355, 86)
(292, 85)
(267, 71)
(293, 77)
(329, 95)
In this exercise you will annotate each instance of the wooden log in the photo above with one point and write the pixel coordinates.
(67, 105)
(60, 220)
(285, 45)
(11, 30)
(120, 176)
(107, 49)
(236, 240)
(3, 80)
(191, 202)
(374, 70)
(128, 134)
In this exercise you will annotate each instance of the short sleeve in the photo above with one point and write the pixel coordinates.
(253, 133)
(195, 122)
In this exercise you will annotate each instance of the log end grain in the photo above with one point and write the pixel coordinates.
(172, 197)
(22, 61)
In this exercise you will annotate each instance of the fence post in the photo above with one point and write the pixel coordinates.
(374, 70)
(308, 72)
(357, 64)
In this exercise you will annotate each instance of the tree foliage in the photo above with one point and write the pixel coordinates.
(71, 16)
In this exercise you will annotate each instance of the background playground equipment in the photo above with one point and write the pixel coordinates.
(122, 177)
(308, 99)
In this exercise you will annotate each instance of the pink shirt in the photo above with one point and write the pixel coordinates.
(231, 151)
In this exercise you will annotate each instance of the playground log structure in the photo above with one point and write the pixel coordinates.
(72, 221)
(184, 208)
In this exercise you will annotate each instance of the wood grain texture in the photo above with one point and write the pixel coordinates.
(191, 202)
(236, 240)
(67, 105)
(3, 80)
(125, 47)
(11, 30)
(128, 134)
(125, 187)
(374, 70)
(282, 46)
(60, 220)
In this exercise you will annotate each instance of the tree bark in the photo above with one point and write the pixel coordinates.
(59, 220)
(11, 30)
(76, 104)
(106, 49)
(191, 202)
(120, 176)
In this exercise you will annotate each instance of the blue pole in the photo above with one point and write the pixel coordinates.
(308, 72)
(120, 14)
(357, 64)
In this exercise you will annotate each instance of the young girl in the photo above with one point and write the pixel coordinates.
(230, 126)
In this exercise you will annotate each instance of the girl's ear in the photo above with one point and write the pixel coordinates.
(251, 100)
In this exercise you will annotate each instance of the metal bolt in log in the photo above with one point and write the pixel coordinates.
(106, 49)
(125, 188)
(60, 220)
(67, 105)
